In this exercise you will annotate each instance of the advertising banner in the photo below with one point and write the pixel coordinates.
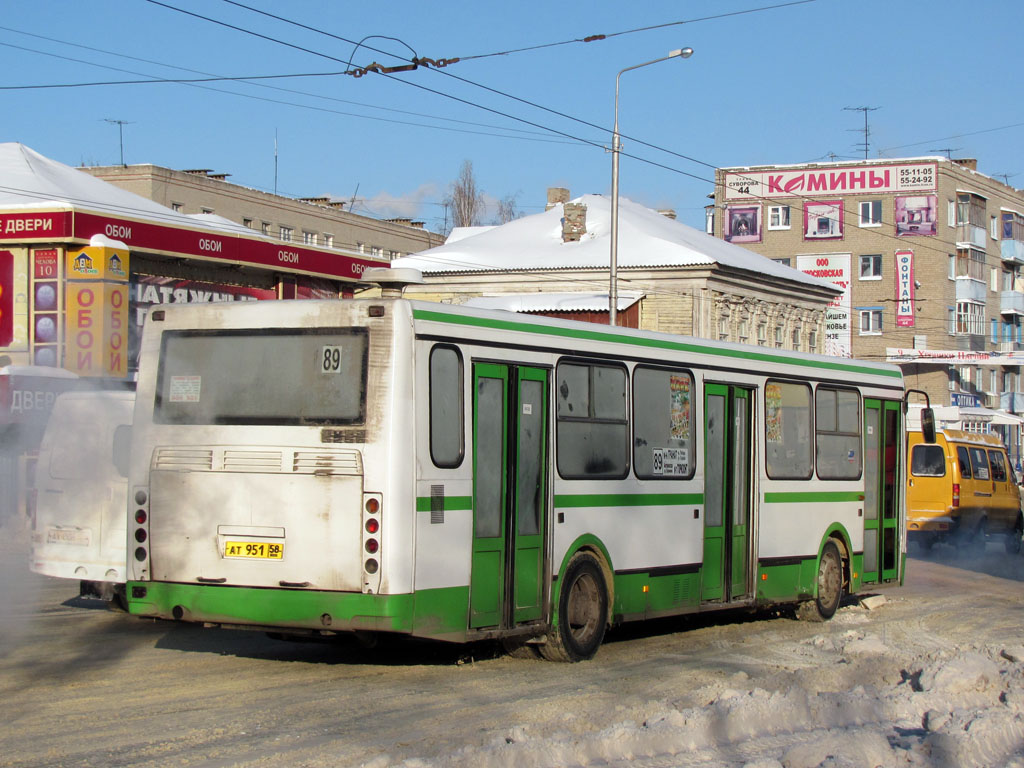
(835, 268)
(6, 298)
(831, 180)
(905, 289)
(14, 299)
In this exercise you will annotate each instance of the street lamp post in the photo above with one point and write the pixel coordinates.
(613, 291)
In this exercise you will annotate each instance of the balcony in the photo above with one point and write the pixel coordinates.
(1011, 303)
(972, 234)
(1012, 250)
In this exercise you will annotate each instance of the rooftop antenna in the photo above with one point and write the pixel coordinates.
(352, 202)
(948, 151)
(120, 132)
(1005, 177)
(867, 131)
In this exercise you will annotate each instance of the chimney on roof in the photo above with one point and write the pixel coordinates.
(574, 221)
(556, 196)
(668, 213)
(969, 163)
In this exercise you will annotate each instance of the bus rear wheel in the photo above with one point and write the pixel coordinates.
(830, 587)
(582, 612)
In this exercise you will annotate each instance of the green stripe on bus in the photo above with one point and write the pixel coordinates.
(577, 333)
(451, 503)
(567, 501)
(811, 497)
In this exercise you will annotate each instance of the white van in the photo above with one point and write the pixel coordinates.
(79, 525)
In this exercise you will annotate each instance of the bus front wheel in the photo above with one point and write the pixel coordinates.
(582, 612)
(830, 587)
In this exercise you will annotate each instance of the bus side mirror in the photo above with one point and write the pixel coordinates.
(928, 424)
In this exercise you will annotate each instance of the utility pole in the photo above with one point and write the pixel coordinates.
(867, 132)
(120, 132)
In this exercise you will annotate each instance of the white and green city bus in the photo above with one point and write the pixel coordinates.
(396, 466)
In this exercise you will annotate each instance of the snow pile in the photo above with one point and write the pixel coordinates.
(956, 708)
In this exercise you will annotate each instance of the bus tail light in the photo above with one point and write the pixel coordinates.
(141, 532)
(373, 508)
(956, 494)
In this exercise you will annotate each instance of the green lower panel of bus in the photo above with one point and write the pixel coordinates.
(438, 613)
(798, 580)
(639, 595)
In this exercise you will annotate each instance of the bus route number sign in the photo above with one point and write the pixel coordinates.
(330, 359)
(261, 550)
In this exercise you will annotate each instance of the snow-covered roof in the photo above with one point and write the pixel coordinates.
(461, 233)
(553, 302)
(646, 239)
(30, 180)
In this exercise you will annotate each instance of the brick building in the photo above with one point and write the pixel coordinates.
(314, 221)
(929, 253)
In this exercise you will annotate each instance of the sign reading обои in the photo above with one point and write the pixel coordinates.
(852, 180)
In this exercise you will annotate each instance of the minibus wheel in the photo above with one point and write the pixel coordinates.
(1013, 539)
(830, 587)
(582, 612)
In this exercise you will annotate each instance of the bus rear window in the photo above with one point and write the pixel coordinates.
(262, 376)
(928, 461)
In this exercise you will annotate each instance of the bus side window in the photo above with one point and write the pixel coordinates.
(998, 466)
(979, 464)
(965, 463)
(122, 449)
(446, 412)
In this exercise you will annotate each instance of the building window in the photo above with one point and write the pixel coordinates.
(206, 210)
(970, 263)
(970, 209)
(265, 228)
(177, 207)
(871, 213)
(970, 318)
(796, 338)
(744, 333)
(812, 341)
(247, 223)
(871, 266)
(778, 217)
(951, 320)
(778, 337)
(1013, 226)
(762, 334)
(361, 247)
(784, 260)
(328, 240)
(870, 322)
(375, 251)
(308, 238)
(994, 227)
(286, 234)
(723, 329)
(952, 267)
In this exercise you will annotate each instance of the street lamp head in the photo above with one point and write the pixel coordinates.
(684, 53)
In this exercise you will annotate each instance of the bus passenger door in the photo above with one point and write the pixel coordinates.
(882, 486)
(510, 494)
(727, 490)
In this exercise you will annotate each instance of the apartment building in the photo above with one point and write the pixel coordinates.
(313, 221)
(929, 254)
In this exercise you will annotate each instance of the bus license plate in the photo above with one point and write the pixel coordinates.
(262, 550)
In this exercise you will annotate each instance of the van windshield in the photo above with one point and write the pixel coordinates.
(928, 461)
(262, 376)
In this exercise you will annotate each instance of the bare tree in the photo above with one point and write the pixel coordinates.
(466, 201)
(507, 209)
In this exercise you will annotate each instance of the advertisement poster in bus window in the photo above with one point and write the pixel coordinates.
(773, 413)
(679, 392)
(916, 215)
(834, 268)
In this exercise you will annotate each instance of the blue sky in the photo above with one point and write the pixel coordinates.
(763, 87)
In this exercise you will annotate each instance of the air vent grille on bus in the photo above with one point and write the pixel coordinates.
(252, 461)
(183, 458)
(327, 462)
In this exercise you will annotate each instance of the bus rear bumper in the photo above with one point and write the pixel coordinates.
(433, 613)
